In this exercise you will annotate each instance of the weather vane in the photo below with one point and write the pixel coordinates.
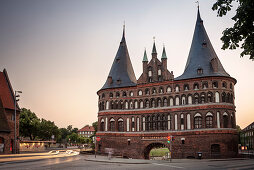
(197, 3)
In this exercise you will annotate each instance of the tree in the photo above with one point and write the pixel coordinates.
(95, 126)
(47, 129)
(28, 124)
(243, 30)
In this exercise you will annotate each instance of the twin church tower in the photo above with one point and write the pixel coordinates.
(196, 108)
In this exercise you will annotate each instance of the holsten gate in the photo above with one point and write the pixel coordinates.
(197, 108)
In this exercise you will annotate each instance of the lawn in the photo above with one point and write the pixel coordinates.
(159, 152)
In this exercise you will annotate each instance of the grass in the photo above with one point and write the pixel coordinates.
(159, 152)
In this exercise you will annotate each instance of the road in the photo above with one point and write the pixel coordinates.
(80, 162)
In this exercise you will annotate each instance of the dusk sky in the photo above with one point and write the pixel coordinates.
(59, 52)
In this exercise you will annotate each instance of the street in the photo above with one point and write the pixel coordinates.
(89, 162)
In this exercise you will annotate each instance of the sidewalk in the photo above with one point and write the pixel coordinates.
(105, 159)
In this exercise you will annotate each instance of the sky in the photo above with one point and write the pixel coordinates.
(59, 52)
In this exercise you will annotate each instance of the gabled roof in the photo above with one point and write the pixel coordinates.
(6, 92)
(121, 73)
(87, 128)
(4, 127)
(202, 56)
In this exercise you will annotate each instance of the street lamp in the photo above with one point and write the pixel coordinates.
(15, 118)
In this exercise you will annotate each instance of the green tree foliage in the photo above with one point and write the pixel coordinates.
(242, 31)
(95, 126)
(47, 129)
(28, 124)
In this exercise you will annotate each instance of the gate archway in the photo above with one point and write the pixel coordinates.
(152, 146)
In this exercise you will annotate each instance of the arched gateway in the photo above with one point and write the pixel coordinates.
(152, 146)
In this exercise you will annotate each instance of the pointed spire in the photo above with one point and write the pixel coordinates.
(202, 56)
(154, 47)
(164, 55)
(145, 57)
(121, 73)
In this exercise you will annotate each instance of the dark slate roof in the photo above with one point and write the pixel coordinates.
(154, 48)
(164, 55)
(121, 73)
(202, 56)
(145, 57)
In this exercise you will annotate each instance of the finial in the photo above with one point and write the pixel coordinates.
(197, 3)
(153, 38)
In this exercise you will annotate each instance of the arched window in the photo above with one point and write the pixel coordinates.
(231, 86)
(196, 98)
(169, 122)
(154, 91)
(140, 92)
(169, 89)
(110, 95)
(186, 87)
(202, 97)
(177, 89)
(120, 125)
(209, 120)
(147, 91)
(147, 103)
(144, 124)
(223, 97)
(165, 102)
(182, 122)
(103, 95)
(124, 94)
(152, 103)
(137, 123)
(209, 97)
(117, 94)
(183, 100)
(189, 99)
(228, 98)
(161, 90)
(136, 105)
(217, 97)
(132, 124)
(188, 121)
(171, 102)
(107, 105)
(225, 120)
(102, 126)
(111, 105)
(131, 93)
(224, 84)
(205, 85)
(112, 124)
(215, 84)
(141, 105)
(196, 86)
(131, 105)
(197, 121)
(177, 101)
(126, 105)
(176, 122)
(159, 103)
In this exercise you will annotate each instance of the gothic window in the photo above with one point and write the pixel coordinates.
(161, 90)
(136, 105)
(153, 91)
(217, 97)
(203, 98)
(189, 99)
(177, 89)
(147, 91)
(126, 105)
(117, 94)
(124, 94)
(169, 89)
(215, 84)
(223, 97)
(120, 125)
(110, 95)
(141, 105)
(209, 120)
(107, 105)
(183, 100)
(205, 85)
(159, 72)
(197, 121)
(102, 126)
(152, 103)
(225, 120)
(182, 122)
(140, 93)
(103, 95)
(147, 104)
(196, 86)
(186, 87)
(224, 84)
(131, 93)
(131, 105)
(171, 102)
(177, 101)
(196, 98)
(159, 102)
(209, 97)
(165, 102)
(150, 73)
(112, 124)
(132, 124)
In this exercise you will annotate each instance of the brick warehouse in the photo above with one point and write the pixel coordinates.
(197, 108)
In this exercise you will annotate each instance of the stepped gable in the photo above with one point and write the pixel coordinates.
(202, 60)
(121, 73)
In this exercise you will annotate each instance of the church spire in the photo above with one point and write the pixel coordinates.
(154, 47)
(202, 60)
(121, 73)
(145, 57)
(164, 55)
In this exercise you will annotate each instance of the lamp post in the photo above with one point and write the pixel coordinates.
(15, 118)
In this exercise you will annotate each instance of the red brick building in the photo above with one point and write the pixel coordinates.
(197, 108)
(86, 131)
(7, 115)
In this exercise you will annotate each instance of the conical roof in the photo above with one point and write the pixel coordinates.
(202, 60)
(145, 57)
(121, 73)
(154, 48)
(164, 55)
